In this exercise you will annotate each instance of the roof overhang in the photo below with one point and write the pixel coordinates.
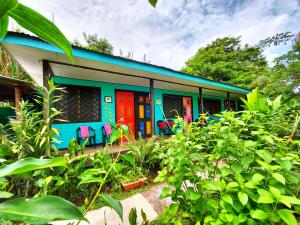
(30, 52)
(7, 85)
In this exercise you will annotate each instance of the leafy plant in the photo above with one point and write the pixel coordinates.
(34, 22)
(144, 153)
(133, 217)
(33, 210)
(236, 171)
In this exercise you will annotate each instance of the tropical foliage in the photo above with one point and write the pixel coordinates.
(93, 42)
(241, 170)
(226, 60)
(284, 77)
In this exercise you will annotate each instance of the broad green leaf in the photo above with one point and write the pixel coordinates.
(246, 160)
(132, 217)
(243, 197)
(153, 2)
(116, 205)
(248, 144)
(6, 5)
(264, 196)
(258, 214)
(225, 171)
(192, 195)
(29, 164)
(242, 218)
(130, 159)
(3, 26)
(265, 155)
(228, 199)
(91, 176)
(124, 128)
(289, 200)
(257, 178)
(229, 217)
(4, 194)
(287, 216)
(232, 185)
(275, 192)
(165, 192)
(42, 27)
(39, 210)
(279, 177)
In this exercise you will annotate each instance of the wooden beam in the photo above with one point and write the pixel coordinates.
(47, 73)
(18, 99)
(152, 106)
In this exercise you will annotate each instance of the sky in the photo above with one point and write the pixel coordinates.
(172, 32)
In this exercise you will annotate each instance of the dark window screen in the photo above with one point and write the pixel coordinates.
(240, 106)
(80, 104)
(211, 106)
(171, 104)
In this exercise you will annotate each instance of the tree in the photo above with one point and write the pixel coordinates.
(93, 42)
(284, 78)
(226, 60)
(277, 39)
(98, 44)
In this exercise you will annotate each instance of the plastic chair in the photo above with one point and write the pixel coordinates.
(86, 132)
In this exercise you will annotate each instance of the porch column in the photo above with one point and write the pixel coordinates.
(201, 100)
(152, 106)
(46, 73)
(228, 101)
(18, 99)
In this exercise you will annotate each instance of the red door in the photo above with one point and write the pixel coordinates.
(125, 110)
(187, 109)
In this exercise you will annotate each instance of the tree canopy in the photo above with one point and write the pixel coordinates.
(284, 77)
(226, 60)
(93, 42)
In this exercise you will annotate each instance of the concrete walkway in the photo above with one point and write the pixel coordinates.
(148, 201)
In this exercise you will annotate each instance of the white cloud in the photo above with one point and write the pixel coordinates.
(172, 32)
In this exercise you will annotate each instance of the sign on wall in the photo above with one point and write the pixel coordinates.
(108, 99)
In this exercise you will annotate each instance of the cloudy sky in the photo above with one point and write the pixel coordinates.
(173, 31)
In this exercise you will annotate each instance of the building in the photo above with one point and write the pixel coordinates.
(105, 89)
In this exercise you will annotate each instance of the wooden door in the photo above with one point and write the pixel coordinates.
(143, 114)
(187, 109)
(125, 110)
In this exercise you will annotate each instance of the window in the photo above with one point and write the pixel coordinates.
(173, 104)
(232, 105)
(211, 106)
(80, 104)
(240, 106)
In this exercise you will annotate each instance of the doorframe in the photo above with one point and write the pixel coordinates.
(136, 116)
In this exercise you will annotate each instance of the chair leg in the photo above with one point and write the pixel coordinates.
(94, 138)
(103, 141)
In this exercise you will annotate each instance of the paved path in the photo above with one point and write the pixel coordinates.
(148, 201)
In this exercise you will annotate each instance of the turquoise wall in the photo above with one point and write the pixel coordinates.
(68, 130)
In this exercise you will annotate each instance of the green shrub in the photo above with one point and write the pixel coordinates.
(241, 170)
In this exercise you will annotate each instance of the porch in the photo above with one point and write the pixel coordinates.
(104, 89)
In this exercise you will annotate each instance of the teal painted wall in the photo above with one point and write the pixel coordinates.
(68, 130)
